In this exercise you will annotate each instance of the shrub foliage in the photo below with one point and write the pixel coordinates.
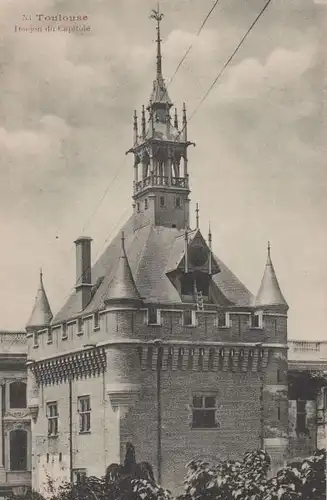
(227, 480)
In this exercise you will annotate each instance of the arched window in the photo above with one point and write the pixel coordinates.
(17, 394)
(18, 450)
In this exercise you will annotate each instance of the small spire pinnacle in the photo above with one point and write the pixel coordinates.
(197, 210)
(143, 123)
(176, 120)
(123, 240)
(185, 249)
(135, 128)
(209, 235)
(184, 129)
(210, 248)
(268, 248)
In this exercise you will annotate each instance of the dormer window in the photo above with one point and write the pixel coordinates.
(138, 207)
(35, 339)
(146, 204)
(178, 202)
(162, 201)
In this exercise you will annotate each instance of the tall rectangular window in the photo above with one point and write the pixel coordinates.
(84, 410)
(152, 316)
(301, 417)
(204, 412)
(53, 417)
(188, 317)
(96, 321)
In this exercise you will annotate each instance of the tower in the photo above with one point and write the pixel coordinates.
(161, 182)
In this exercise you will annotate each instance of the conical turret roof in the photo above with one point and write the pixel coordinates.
(269, 293)
(122, 286)
(41, 315)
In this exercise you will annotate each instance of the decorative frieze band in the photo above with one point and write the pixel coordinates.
(204, 358)
(71, 367)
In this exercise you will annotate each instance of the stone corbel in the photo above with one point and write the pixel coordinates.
(33, 407)
(123, 397)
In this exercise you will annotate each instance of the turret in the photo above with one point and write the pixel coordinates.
(269, 294)
(122, 288)
(41, 315)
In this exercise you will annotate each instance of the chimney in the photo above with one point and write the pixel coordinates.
(83, 270)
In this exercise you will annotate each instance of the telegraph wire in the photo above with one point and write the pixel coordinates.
(191, 44)
(227, 63)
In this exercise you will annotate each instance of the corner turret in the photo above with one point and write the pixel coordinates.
(269, 294)
(41, 315)
(122, 288)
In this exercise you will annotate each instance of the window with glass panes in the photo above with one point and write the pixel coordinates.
(203, 412)
(84, 410)
(52, 414)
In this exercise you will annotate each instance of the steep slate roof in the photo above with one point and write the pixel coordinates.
(269, 293)
(41, 315)
(149, 252)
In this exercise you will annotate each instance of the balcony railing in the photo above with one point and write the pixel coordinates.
(159, 180)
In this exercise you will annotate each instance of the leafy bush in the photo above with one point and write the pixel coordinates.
(247, 480)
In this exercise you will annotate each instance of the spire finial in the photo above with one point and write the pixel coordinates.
(135, 128)
(158, 17)
(209, 235)
(197, 210)
(268, 248)
(143, 123)
(176, 120)
(184, 129)
(123, 240)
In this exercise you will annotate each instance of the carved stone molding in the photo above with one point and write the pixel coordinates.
(123, 397)
(12, 425)
(206, 358)
(17, 414)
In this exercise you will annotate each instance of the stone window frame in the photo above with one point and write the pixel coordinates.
(84, 411)
(204, 408)
(53, 418)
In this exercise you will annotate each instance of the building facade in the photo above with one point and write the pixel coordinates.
(15, 426)
(159, 344)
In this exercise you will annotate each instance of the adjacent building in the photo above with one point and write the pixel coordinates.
(15, 426)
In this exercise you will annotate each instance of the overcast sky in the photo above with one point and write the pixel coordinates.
(258, 170)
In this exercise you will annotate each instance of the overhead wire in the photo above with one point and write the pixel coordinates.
(231, 57)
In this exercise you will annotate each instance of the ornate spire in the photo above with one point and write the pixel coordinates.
(158, 16)
(122, 287)
(269, 293)
(41, 315)
(159, 93)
